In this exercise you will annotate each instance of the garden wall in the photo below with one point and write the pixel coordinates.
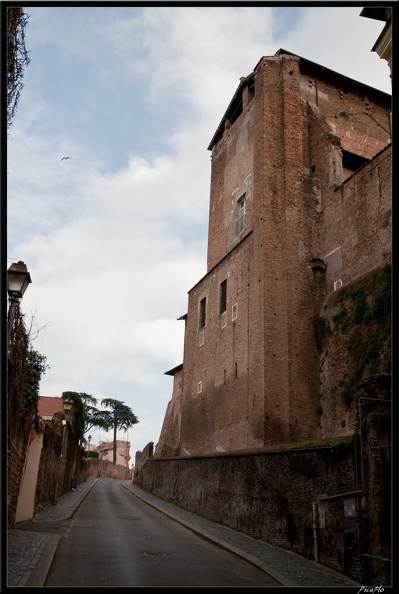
(273, 496)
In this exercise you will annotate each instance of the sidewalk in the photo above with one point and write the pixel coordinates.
(30, 553)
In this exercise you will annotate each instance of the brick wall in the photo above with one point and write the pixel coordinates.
(60, 462)
(315, 218)
(17, 448)
(270, 496)
(21, 414)
(103, 469)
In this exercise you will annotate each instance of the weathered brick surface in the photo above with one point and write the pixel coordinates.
(270, 496)
(21, 414)
(261, 374)
(266, 377)
(103, 469)
(313, 220)
(17, 448)
(60, 462)
(281, 495)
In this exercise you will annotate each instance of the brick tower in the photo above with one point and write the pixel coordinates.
(289, 223)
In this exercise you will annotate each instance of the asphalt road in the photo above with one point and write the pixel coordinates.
(115, 539)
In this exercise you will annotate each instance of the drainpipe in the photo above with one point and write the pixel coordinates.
(316, 547)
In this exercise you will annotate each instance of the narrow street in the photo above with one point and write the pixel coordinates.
(115, 539)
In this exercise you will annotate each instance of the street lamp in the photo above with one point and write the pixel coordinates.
(68, 404)
(18, 279)
(88, 449)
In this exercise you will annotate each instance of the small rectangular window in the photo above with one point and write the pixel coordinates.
(199, 387)
(223, 296)
(201, 337)
(202, 316)
(337, 284)
(223, 319)
(240, 223)
(234, 312)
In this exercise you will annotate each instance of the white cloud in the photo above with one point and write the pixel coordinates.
(344, 45)
(116, 236)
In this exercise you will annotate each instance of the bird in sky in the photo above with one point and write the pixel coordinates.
(65, 158)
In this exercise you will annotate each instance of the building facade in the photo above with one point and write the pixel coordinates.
(105, 451)
(300, 207)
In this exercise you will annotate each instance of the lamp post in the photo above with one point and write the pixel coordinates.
(87, 457)
(88, 449)
(18, 279)
(68, 404)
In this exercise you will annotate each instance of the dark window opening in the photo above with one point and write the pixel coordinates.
(223, 296)
(236, 111)
(202, 312)
(352, 162)
(251, 90)
(350, 540)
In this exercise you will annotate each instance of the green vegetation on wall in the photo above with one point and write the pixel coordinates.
(25, 369)
(365, 321)
(321, 330)
(89, 454)
(78, 401)
(36, 367)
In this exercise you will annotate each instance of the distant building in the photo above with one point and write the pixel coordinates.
(48, 406)
(105, 451)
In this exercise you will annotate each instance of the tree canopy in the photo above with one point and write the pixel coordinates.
(120, 416)
(87, 414)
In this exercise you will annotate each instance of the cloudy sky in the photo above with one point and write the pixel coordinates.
(116, 236)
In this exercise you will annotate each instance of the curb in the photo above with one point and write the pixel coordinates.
(75, 504)
(42, 567)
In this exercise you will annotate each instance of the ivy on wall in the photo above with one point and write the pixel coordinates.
(364, 321)
(25, 368)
